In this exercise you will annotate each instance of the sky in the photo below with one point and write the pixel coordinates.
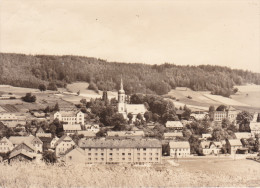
(187, 32)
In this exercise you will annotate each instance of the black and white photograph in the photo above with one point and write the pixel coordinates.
(127, 93)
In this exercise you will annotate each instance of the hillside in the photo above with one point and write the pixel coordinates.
(29, 71)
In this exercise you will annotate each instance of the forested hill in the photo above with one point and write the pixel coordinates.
(31, 70)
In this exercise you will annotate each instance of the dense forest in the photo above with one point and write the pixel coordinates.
(32, 70)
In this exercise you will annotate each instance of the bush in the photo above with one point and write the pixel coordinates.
(29, 98)
(93, 86)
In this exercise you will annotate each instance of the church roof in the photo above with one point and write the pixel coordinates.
(135, 108)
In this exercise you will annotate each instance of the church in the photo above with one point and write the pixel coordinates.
(125, 109)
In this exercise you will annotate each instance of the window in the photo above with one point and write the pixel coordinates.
(111, 149)
(150, 158)
(110, 153)
(102, 159)
(156, 159)
(96, 154)
(123, 159)
(96, 159)
(144, 158)
(129, 153)
(151, 153)
(138, 154)
(138, 149)
(129, 159)
(102, 154)
(89, 153)
(89, 149)
(144, 153)
(144, 149)
(123, 153)
(89, 159)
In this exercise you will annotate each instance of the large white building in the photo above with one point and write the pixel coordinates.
(70, 117)
(125, 109)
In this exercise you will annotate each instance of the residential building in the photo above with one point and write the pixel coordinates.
(53, 142)
(206, 136)
(11, 120)
(255, 128)
(199, 116)
(172, 135)
(210, 148)
(179, 149)
(233, 145)
(230, 113)
(75, 155)
(122, 151)
(125, 134)
(92, 127)
(70, 117)
(87, 134)
(41, 133)
(176, 125)
(240, 135)
(63, 144)
(5, 145)
(34, 141)
(21, 155)
(125, 109)
(25, 146)
(71, 129)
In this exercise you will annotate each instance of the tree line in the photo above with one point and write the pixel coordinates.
(138, 78)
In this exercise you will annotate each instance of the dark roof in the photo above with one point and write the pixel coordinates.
(115, 143)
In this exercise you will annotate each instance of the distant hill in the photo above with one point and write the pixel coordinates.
(31, 70)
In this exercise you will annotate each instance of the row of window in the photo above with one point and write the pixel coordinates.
(117, 159)
(122, 149)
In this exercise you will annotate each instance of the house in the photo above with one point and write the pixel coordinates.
(179, 149)
(12, 119)
(69, 117)
(125, 109)
(114, 151)
(125, 134)
(94, 127)
(34, 141)
(46, 142)
(180, 113)
(71, 129)
(199, 116)
(206, 136)
(255, 128)
(172, 135)
(87, 134)
(63, 144)
(75, 155)
(25, 146)
(41, 133)
(21, 155)
(53, 142)
(233, 145)
(230, 113)
(5, 145)
(240, 135)
(210, 148)
(176, 125)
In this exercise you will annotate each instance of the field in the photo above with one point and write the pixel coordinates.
(201, 172)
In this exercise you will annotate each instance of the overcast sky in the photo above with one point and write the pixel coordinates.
(191, 32)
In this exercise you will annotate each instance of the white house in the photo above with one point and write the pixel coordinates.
(5, 145)
(70, 117)
(255, 128)
(125, 109)
(94, 128)
(34, 141)
(179, 149)
(176, 125)
(210, 148)
(63, 144)
(53, 142)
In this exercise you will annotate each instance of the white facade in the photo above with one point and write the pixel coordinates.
(63, 144)
(179, 149)
(5, 145)
(70, 117)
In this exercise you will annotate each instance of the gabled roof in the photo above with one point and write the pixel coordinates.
(27, 144)
(173, 134)
(235, 142)
(174, 124)
(19, 139)
(115, 143)
(87, 133)
(40, 130)
(75, 148)
(23, 152)
(63, 138)
(5, 140)
(88, 126)
(175, 144)
(125, 133)
(68, 127)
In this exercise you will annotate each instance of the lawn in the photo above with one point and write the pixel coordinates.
(200, 172)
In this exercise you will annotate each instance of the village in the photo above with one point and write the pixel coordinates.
(125, 130)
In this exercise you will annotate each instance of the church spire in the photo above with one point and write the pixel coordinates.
(121, 85)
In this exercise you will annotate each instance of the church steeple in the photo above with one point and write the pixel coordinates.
(121, 98)
(121, 86)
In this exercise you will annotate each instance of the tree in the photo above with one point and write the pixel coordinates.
(148, 116)
(119, 122)
(56, 108)
(186, 113)
(139, 116)
(257, 146)
(52, 86)
(225, 123)
(130, 116)
(221, 108)
(235, 90)
(195, 147)
(243, 119)
(219, 134)
(29, 97)
(42, 87)
(49, 157)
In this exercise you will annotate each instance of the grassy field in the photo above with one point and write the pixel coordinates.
(190, 173)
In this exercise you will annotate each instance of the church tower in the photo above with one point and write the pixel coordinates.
(121, 99)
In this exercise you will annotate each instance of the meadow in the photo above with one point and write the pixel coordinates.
(188, 173)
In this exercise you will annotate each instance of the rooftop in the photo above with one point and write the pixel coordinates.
(174, 144)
